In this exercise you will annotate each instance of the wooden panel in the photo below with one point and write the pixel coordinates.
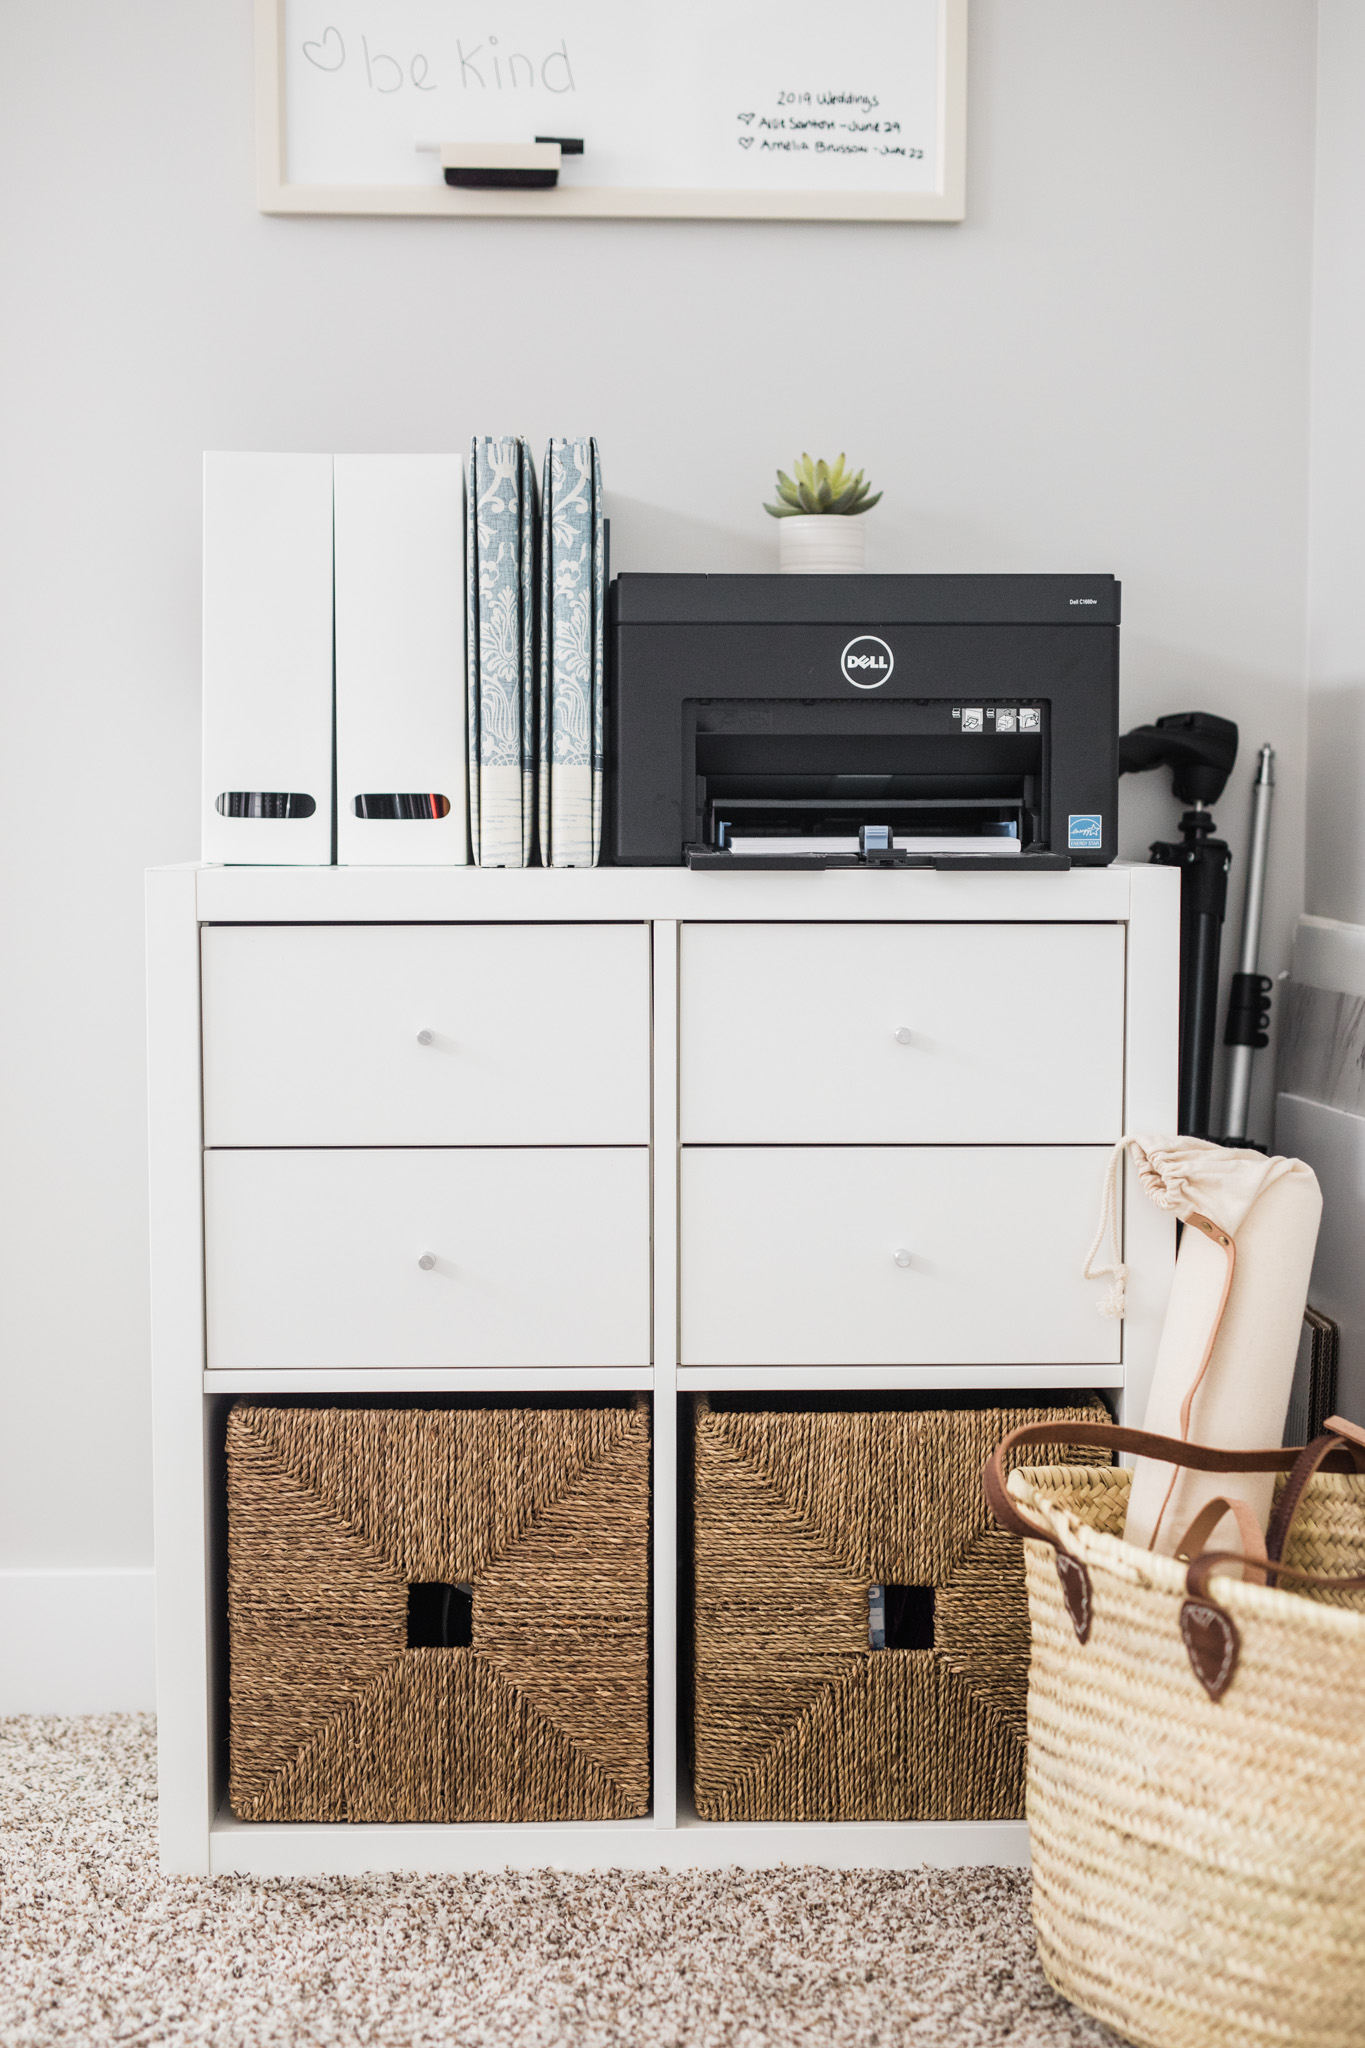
(537, 1034)
(539, 1258)
(789, 1256)
(666, 1506)
(1008, 1034)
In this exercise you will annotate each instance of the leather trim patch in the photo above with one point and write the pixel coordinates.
(1211, 1644)
(1075, 1593)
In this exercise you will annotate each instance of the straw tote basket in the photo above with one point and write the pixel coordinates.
(1196, 1744)
(438, 1614)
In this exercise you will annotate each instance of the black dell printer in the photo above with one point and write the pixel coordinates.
(831, 721)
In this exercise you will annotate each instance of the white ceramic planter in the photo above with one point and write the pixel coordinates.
(822, 544)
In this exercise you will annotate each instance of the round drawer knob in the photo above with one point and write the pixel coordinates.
(904, 1035)
(426, 1262)
(902, 1257)
(425, 1037)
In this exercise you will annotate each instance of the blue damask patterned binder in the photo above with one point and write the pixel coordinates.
(471, 641)
(543, 719)
(599, 650)
(570, 530)
(497, 503)
(529, 636)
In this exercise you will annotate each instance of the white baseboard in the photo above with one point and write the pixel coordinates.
(77, 1642)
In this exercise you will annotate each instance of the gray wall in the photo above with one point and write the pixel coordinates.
(1327, 1129)
(1104, 368)
(1336, 814)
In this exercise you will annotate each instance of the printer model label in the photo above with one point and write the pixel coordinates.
(1084, 832)
(867, 662)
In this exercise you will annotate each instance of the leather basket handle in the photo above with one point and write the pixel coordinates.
(1210, 1635)
(1111, 1436)
(1208, 1630)
(1195, 1540)
(1337, 1434)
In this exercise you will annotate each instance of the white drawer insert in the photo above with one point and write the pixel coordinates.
(426, 1034)
(427, 1258)
(891, 1255)
(902, 1033)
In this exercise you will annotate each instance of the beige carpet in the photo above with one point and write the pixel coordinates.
(96, 1947)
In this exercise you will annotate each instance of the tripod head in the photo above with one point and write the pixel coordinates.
(1198, 748)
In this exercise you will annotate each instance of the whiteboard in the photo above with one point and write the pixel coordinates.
(741, 109)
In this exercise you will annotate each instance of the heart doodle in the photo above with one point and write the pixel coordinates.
(744, 117)
(745, 141)
(316, 52)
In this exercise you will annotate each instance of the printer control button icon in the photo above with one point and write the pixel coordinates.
(1030, 720)
(972, 721)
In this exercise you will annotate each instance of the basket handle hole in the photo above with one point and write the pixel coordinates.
(440, 1617)
(900, 1617)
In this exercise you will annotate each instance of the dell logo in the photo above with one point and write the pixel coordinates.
(867, 662)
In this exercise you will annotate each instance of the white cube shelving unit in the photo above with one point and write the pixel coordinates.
(718, 1108)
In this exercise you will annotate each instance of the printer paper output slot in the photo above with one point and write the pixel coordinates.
(834, 823)
(744, 843)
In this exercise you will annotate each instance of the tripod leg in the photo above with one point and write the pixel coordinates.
(1201, 944)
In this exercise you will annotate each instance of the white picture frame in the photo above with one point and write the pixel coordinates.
(945, 201)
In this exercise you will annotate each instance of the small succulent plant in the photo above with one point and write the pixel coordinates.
(818, 487)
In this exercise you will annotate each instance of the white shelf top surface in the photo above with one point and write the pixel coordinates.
(532, 895)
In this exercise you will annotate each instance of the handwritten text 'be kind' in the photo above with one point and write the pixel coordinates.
(479, 66)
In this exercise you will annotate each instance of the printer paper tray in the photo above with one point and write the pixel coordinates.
(717, 859)
(976, 844)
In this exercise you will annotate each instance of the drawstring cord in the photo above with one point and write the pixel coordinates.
(1115, 1301)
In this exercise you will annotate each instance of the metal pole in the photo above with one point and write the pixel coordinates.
(1247, 1009)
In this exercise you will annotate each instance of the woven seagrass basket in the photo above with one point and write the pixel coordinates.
(796, 1516)
(1198, 1863)
(438, 1614)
